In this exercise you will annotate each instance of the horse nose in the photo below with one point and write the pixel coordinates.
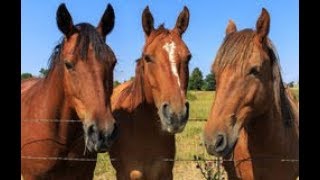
(100, 139)
(187, 105)
(166, 110)
(220, 142)
(186, 112)
(168, 113)
(106, 139)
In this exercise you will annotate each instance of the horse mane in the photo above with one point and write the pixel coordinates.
(228, 54)
(87, 34)
(161, 31)
(242, 41)
(279, 89)
(134, 91)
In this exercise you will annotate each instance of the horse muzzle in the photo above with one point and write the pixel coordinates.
(99, 141)
(173, 122)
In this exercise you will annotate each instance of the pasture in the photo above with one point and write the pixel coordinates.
(188, 143)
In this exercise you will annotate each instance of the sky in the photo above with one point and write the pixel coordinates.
(208, 21)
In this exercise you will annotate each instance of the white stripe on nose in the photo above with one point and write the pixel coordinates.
(170, 48)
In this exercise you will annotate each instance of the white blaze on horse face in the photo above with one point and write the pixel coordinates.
(170, 48)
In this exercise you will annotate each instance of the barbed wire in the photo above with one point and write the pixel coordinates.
(79, 121)
(164, 159)
(52, 120)
(160, 159)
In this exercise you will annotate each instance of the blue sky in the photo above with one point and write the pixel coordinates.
(208, 20)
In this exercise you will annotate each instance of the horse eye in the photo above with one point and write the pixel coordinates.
(189, 56)
(148, 58)
(69, 65)
(254, 71)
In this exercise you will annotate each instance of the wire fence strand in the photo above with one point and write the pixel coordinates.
(160, 159)
(209, 168)
(79, 121)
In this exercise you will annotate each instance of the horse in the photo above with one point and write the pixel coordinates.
(68, 111)
(253, 123)
(152, 108)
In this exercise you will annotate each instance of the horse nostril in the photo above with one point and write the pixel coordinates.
(91, 129)
(165, 105)
(187, 105)
(187, 110)
(166, 110)
(220, 143)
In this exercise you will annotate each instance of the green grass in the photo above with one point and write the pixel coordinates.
(295, 92)
(201, 105)
(188, 143)
(104, 169)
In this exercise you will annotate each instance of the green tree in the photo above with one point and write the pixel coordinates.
(26, 76)
(209, 83)
(195, 80)
(291, 84)
(116, 83)
(43, 72)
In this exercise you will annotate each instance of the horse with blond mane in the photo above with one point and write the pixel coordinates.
(254, 121)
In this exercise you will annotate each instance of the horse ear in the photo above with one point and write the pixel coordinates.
(183, 20)
(147, 21)
(64, 21)
(263, 24)
(106, 23)
(231, 28)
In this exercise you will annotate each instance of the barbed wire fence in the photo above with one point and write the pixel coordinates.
(211, 169)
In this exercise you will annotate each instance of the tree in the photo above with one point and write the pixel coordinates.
(26, 76)
(291, 84)
(43, 72)
(209, 83)
(116, 83)
(195, 80)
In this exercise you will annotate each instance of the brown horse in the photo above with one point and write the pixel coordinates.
(152, 107)
(78, 87)
(253, 120)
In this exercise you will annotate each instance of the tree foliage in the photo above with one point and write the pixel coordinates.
(26, 76)
(116, 83)
(43, 72)
(196, 80)
(209, 83)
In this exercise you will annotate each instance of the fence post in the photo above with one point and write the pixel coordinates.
(219, 168)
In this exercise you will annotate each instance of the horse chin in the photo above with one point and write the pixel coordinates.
(90, 147)
(172, 129)
(175, 130)
(96, 148)
(227, 153)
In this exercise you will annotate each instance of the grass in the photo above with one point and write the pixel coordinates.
(295, 92)
(201, 105)
(188, 143)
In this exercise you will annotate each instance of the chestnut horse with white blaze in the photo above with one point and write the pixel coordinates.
(152, 107)
(254, 120)
(78, 87)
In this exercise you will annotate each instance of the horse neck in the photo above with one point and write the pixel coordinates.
(60, 108)
(268, 135)
(52, 91)
(139, 91)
